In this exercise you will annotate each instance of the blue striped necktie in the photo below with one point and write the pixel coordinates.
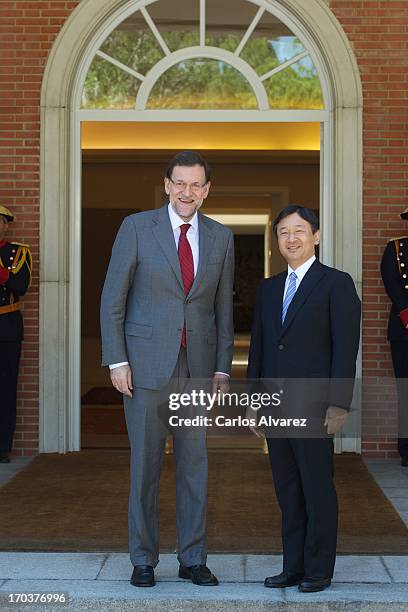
(289, 294)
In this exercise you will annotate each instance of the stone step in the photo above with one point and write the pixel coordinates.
(100, 581)
(185, 597)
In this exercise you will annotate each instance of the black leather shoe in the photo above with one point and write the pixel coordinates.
(283, 580)
(404, 461)
(313, 585)
(198, 574)
(4, 458)
(143, 576)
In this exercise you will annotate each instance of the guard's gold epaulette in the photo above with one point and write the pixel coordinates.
(27, 246)
(22, 256)
(399, 238)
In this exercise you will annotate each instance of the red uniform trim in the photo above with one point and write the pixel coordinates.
(404, 317)
(4, 275)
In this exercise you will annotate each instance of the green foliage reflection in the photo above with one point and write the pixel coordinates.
(198, 83)
(107, 86)
(202, 84)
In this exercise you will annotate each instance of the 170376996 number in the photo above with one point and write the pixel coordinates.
(44, 598)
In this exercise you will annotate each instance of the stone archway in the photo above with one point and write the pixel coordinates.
(60, 221)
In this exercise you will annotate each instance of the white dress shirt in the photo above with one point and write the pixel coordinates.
(300, 274)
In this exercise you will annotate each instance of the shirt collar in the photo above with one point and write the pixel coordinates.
(301, 270)
(177, 221)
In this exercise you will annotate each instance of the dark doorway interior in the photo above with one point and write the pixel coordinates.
(249, 271)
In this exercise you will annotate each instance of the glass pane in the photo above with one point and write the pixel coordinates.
(178, 21)
(295, 87)
(271, 44)
(227, 22)
(108, 87)
(133, 44)
(202, 83)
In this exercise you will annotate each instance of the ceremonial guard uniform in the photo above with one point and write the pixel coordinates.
(394, 272)
(15, 277)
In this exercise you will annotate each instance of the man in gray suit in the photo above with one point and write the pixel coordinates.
(166, 318)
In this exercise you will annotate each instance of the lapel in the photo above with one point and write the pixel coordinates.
(205, 246)
(163, 233)
(277, 301)
(310, 280)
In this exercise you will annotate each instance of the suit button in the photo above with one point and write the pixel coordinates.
(281, 347)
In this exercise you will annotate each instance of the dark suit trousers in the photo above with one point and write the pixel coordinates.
(399, 352)
(9, 362)
(147, 419)
(303, 478)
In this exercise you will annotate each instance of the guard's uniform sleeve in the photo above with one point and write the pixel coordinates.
(393, 279)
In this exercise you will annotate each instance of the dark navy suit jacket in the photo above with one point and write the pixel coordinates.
(320, 335)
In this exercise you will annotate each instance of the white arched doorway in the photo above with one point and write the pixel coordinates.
(79, 43)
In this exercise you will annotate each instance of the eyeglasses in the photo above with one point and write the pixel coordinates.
(181, 185)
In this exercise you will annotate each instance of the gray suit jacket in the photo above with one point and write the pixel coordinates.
(143, 305)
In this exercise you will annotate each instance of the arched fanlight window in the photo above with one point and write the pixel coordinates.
(202, 54)
(202, 83)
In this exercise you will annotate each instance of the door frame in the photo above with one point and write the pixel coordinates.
(60, 170)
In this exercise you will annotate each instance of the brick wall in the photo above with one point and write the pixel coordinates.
(27, 32)
(378, 33)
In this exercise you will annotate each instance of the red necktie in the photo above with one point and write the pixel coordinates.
(187, 268)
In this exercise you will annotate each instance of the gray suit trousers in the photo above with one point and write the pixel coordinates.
(147, 419)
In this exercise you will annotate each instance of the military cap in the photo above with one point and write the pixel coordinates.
(404, 214)
(4, 212)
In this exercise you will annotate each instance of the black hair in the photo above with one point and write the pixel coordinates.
(307, 214)
(188, 158)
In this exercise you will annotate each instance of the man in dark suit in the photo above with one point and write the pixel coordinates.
(166, 317)
(394, 272)
(306, 327)
(15, 278)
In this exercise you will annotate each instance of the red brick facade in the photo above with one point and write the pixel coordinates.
(27, 33)
(378, 33)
